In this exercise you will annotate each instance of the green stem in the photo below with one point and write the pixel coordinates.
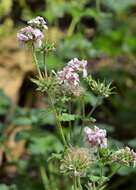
(95, 106)
(44, 178)
(75, 183)
(70, 124)
(98, 6)
(61, 131)
(114, 172)
(83, 108)
(109, 177)
(79, 183)
(36, 61)
(72, 27)
(58, 122)
(83, 114)
(45, 68)
(94, 188)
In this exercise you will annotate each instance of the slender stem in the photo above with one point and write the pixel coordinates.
(98, 6)
(79, 183)
(58, 122)
(109, 177)
(94, 188)
(45, 68)
(61, 131)
(36, 61)
(95, 106)
(83, 114)
(92, 110)
(75, 183)
(70, 124)
(114, 172)
(44, 178)
(101, 173)
(72, 26)
(83, 108)
(51, 177)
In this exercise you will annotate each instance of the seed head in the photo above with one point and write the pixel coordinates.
(76, 161)
(125, 156)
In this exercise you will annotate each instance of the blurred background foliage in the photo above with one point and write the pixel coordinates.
(101, 31)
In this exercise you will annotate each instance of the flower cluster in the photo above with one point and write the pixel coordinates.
(96, 137)
(124, 156)
(77, 65)
(76, 161)
(32, 34)
(69, 76)
(39, 23)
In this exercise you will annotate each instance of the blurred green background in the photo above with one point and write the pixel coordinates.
(101, 31)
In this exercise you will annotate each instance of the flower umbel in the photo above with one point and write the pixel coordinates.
(78, 66)
(29, 35)
(38, 23)
(75, 161)
(69, 79)
(96, 137)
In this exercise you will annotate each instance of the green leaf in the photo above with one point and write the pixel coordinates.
(132, 143)
(124, 171)
(55, 156)
(119, 5)
(5, 187)
(45, 144)
(4, 103)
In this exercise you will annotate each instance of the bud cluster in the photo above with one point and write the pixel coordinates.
(99, 88)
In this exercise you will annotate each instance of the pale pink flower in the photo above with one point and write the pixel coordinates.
(96, 137)
(29, 35)
(68, 77)
(78, 66)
